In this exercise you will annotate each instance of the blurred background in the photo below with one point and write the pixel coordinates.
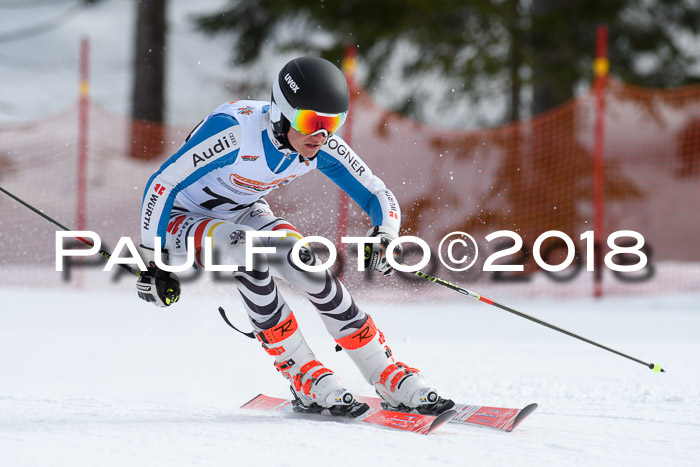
(482, 116)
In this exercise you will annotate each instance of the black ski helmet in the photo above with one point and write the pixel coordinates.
(306, 83)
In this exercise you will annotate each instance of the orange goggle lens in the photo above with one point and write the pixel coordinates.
(308, 122)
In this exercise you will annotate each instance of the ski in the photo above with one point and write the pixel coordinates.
(499, 418)
(414, 423)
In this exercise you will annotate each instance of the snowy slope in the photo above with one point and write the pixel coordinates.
(99, 378)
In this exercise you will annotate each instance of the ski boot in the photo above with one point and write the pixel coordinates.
(401, 387)
(315, 388)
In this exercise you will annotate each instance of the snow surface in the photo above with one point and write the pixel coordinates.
(97, 377)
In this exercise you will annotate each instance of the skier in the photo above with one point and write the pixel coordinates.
(213, 187)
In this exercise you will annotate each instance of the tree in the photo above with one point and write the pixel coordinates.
(148, 96)
(452, 39)
(149, 62)
(475, 51)
(645, 44)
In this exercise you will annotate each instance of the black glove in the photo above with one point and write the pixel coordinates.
(155, 285)
(376, 253)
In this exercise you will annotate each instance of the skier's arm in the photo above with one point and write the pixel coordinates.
(347, 170)
(213, 144)
(342, 165)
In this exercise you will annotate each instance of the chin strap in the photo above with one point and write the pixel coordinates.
(277, 128)
(279, 140)
(283, 143)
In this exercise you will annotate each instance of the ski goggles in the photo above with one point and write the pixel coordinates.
(308, 122)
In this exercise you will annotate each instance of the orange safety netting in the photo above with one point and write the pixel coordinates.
(529, 177)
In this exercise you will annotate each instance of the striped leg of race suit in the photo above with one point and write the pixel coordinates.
(262, 300)
(337, 309)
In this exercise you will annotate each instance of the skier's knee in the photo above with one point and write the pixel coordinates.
(230, 244)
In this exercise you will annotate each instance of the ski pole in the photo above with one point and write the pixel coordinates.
(653, 366)
(87, 242)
